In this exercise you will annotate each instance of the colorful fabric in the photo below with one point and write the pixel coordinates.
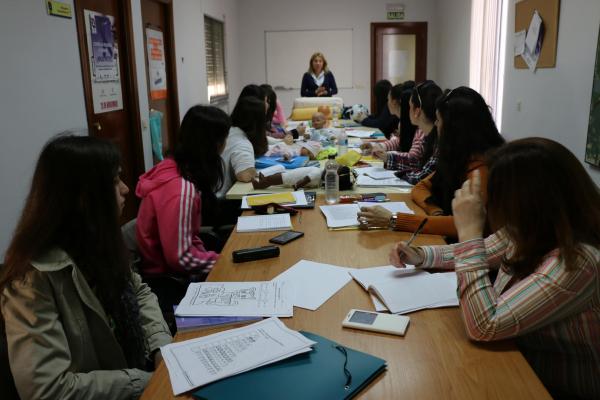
(405, 161)
(554, 312)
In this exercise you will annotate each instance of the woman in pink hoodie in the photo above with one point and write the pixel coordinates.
(174, 192)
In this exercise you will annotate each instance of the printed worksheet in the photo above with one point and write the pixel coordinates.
(237, 299)
(196, 362)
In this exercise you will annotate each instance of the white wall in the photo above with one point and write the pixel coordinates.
(258, 16)
(42, 94)
(555, 102)
(189, 48)
(454, 35)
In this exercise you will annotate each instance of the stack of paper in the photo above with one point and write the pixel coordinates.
(197, 362)
(406, 290)
(264, 223)
(196, 323)
(360, 133)
(237, 299)
(297, 198)
(344, 215)
(379, 177)
(314, 283)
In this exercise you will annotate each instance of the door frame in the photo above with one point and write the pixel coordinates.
(171, 62)
(132, 100)
(419, 29)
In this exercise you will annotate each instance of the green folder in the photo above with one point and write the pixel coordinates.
(318, 374)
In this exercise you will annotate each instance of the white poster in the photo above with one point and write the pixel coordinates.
(104, 62)
(156, 64)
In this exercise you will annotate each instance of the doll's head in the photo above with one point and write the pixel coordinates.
(318, 120)
(310, 149)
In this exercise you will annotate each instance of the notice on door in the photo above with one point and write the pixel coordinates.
(104, 62)
(156, 64)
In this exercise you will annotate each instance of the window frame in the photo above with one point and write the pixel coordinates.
(210, 52)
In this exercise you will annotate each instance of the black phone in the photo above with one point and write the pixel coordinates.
(286, 237)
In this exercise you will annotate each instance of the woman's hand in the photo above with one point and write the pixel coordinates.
(375, 217)
(380, 153)
(401, 254)
(321, 91)
(468, 210)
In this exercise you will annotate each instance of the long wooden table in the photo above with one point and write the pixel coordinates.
(435, 360)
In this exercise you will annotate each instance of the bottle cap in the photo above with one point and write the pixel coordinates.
(331, 157)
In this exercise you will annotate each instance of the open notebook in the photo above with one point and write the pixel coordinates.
(264, 223)
(406, 290)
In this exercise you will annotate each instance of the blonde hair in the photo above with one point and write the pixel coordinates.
(315, 55)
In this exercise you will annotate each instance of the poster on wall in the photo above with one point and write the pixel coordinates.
(156, 64)
(592, 148)
(104, 62)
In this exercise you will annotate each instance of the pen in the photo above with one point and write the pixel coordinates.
(419, 229)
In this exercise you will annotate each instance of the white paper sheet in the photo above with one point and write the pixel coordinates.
(264, 223)
(365, 180)
(237, 299)
(533, 32)
(360, 133)
(314, 283)
(383, 174)
(197, 362)
(519, 44)
(273, 169)
(391, 206)
(341, 215)
(368, 276)
(298, 195)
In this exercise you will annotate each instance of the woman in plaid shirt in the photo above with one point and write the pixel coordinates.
(546, 213)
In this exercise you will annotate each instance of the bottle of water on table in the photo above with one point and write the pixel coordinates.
(332, 181)
(342, 142)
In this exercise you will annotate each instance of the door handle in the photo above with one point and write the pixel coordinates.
(97, 126)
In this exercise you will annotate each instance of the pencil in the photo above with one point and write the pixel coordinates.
(419, 229)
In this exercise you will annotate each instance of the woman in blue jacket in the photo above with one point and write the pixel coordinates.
(318, 81)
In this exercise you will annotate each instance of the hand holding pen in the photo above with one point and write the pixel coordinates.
(403, 253)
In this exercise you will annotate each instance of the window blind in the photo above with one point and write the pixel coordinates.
(214, 44)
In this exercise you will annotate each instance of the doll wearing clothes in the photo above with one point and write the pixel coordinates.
(288, 149)
(295, 178)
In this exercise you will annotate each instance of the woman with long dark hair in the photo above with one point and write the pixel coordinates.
(175, 192)
(466, 132)
(79, 323)
(247, 140)
(382, 118)
(545, 212)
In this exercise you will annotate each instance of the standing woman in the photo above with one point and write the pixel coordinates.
(80, 324)
(545, 212)
(247, 140)
(319, 80)
(466, 132)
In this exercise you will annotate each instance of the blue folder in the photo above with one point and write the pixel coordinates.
(315, 375)
(295, 162)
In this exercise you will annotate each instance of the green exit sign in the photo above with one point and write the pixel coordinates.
(395, 15)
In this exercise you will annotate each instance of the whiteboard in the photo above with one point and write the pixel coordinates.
(287, 55)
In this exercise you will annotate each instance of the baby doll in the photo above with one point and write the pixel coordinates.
(295, 178)
(288, 149)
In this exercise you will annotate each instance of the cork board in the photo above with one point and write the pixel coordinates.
(549, 11)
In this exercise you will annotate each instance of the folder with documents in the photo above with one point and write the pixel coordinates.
(331, 371)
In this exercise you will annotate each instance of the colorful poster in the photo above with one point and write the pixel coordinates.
(104, 62)
(157, 74)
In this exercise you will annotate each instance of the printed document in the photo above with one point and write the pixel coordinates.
(342, 215)
(197, 362)
(383, 178)
(264, 223)
(237, 299)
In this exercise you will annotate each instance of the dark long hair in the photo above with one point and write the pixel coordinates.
(72, 206)
(544, 199)
(424, 96)
(468, 131)
(380, 92)
(252, 90)
(197, 150)
(272, 100)
(249, 116)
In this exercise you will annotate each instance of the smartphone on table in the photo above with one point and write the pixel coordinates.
(286, 237)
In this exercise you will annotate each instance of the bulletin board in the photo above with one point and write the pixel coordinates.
(288, 53)
(549, 11)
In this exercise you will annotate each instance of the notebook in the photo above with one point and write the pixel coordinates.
(264, 223)
(318, 374)
(279, 198)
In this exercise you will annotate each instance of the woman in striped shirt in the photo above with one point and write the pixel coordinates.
(546, 213)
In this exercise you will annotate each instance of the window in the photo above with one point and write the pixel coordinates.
(486, 69)
(214, 43)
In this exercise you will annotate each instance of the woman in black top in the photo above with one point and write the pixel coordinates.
(318, 81)
(381, 117)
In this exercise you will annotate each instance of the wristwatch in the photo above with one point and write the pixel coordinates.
(392, 223)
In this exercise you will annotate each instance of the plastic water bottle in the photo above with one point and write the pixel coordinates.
(342, 142)
(335, 114)
(332, 181)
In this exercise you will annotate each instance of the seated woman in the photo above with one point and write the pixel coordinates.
(174, 192)
(319, 80)
(247, 140)
(80, 324)
(467, 131)
(545, 212)
(382, 119)
(415, 105)
(276, 122)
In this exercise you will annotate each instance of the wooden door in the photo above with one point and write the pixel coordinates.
(157, 19)
(106, 22)
(398, 53)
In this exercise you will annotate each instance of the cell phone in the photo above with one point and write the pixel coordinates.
(377, 322)
(286, 237)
